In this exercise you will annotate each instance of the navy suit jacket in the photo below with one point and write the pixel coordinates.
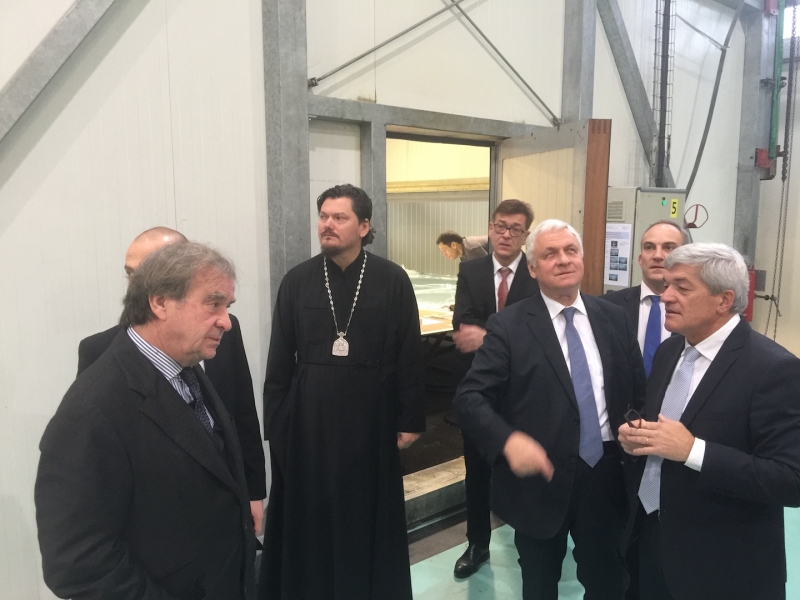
(230, 376)
(629, 299)
(722, 527)
(519, 380)
(476, 300)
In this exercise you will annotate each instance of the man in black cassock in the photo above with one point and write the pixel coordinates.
(344, 391)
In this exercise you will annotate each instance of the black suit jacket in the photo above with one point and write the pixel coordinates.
(476, 301)
(132, 498)
(230, 375)
(519, 380)
(722, 528)
(629, 299)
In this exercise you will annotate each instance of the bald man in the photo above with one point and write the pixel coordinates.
(228, 372)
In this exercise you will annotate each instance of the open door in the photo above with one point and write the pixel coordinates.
(563, 173)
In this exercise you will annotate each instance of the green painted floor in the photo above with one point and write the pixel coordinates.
(499, 579)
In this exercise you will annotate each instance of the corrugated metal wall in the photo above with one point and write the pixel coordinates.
(417, 219)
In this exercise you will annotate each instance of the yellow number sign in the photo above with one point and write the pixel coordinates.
(673, 211)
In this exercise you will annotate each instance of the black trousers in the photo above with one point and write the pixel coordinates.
(477, 484)
(596, 520)
(652, 585)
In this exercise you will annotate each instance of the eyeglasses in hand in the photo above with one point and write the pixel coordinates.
(632, 417)
(501, 228)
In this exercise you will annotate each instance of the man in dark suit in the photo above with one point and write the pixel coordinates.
(140, 491)
(722, 441)
(228, 372)
(485, 286)
(642, 304)
(642, 301)
(547, 391)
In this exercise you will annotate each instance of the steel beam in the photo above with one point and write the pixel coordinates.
(577, 82)
(631, 78)
(754, 126)
(353, 111)
(46, 59)
(373, 181)
(288, 170)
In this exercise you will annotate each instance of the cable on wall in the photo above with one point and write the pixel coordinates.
(786, 177)
(723, 53)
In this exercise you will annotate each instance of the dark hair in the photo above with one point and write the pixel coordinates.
(169, 271)
(448, 237)
(515, 207)
(683, 232)
(362, 205)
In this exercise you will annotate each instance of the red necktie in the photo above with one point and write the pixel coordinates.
(502, 289)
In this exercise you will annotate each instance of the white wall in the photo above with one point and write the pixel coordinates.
(23, 24)
(695, 69)
(157, 119)
(442, 66)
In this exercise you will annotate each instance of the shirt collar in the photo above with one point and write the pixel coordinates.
(646, 292)
(555, 308)
(709, 347)
(167, 366)
(513, 266)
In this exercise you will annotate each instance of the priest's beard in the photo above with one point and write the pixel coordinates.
(331, 252)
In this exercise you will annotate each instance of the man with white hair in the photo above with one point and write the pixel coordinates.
(721, 440)
(544, 398)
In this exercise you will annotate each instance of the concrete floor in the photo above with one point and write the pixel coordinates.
(435, 554)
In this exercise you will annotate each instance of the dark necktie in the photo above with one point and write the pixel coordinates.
(652, 334)
(672, 407)
(197, 405)
(591, 444)
(502, 289)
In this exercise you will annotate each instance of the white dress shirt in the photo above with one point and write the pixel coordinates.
(708, 349)
(584, 329)
(498, 277)
(645, 302)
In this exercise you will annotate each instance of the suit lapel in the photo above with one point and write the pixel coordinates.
(726, 357)
(169, 412)
(541, 325)
(520, 285)
(667, 359)
(165, 407)
(632, 304)
(486, 282)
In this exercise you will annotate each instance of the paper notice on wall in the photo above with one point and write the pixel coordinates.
(617, 268)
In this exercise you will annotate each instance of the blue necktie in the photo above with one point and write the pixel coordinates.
(591, 446)
(672, 408)
(652, 335)
(198, 406)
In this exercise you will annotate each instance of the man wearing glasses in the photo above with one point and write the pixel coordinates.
(485, 286)
(721, 441)
(545, 396)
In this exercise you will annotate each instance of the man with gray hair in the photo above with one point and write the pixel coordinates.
(141, 490)
(544, 398)
(721, 440)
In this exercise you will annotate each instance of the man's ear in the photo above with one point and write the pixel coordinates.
(531, 269)
(726, 299)
(158, 304)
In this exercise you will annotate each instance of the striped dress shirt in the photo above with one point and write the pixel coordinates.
(166, 366)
